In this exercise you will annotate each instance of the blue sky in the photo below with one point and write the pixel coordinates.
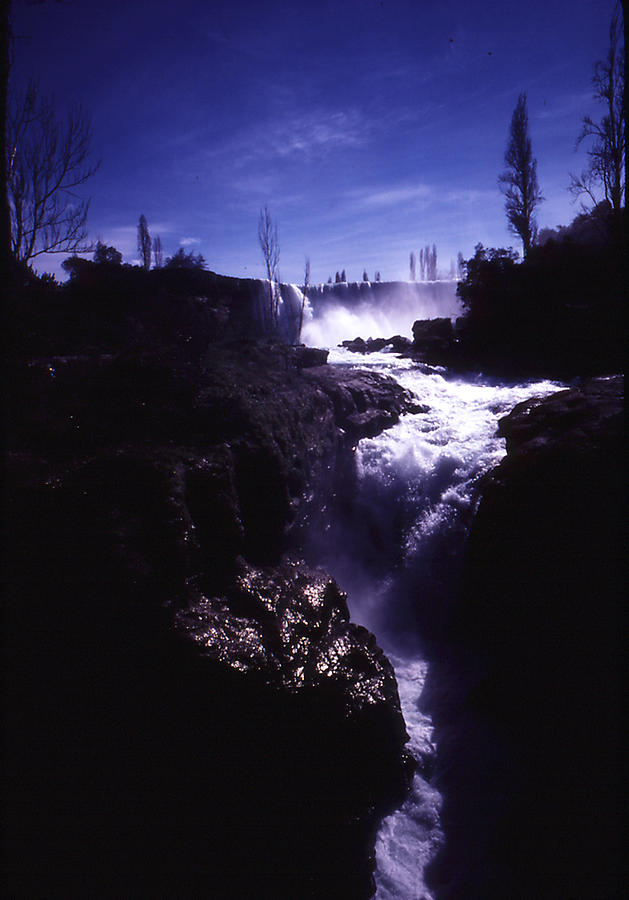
(370, 127)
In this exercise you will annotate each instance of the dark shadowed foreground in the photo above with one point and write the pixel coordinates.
(187, 714)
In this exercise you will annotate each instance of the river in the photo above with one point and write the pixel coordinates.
(396, 549)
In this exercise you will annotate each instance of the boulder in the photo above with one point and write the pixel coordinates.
(432, 330)
(399, 344)
(358, 345)
(364, 402)
(305, 357)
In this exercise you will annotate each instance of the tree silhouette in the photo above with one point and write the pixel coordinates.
(158, 252)
(107, 255)
(304, 297)
(5, 213)
(45, 163)
(183, 260)
(606, 166)
(431, 263)
(144, 242)
(460, 266)
(519, 180)
(270, 246)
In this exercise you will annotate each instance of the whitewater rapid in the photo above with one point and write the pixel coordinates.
(396, 553)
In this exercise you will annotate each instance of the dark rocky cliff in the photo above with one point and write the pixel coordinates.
(187, 713)
(530, 734)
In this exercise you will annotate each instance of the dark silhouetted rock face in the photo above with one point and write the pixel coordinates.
(187, 714)
(538, 752)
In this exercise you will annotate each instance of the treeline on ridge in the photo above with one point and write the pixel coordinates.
(559, 311)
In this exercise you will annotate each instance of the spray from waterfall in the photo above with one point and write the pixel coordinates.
(338, 312)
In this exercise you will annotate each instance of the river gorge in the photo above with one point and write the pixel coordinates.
(297, 622)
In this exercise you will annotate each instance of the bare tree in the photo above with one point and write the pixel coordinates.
(606, 166)
(304, 297)
(519, 180)
(270, 246)
(158, 252)
(144, 242)
(45, 164)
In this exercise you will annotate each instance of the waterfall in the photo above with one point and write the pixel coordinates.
(394, 544)
(343, 311)
(335, 312)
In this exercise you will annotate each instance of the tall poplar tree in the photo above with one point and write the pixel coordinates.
(519, 180)
(144, 242)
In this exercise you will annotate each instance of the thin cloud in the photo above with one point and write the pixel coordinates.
(317, 132)
(393, 196)
(469, 195)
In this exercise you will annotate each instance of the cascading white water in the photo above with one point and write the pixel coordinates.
(397, 549)
(336, 312)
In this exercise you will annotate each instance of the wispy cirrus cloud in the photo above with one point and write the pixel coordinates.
(391, 196)
(320, 131)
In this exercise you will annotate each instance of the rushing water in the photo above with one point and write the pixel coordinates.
(396, 549)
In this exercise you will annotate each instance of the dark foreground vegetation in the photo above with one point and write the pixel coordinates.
(559, 312)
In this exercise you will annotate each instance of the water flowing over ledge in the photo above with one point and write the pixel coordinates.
(338, 312)
(395, 543)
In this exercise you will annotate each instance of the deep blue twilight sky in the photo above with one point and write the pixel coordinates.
(369, 127)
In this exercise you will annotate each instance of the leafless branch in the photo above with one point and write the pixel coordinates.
(45, 164)
(270, 246)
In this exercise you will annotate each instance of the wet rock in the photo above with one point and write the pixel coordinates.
(358, 345)
(397, 343)
(306, 357)
(364, 402)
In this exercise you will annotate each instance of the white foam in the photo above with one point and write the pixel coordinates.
(428, 466)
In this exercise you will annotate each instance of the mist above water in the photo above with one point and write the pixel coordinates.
(338, 312)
